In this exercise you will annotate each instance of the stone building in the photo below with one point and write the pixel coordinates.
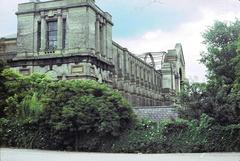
(72, 39)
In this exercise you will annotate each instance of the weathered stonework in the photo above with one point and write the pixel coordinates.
(156, 113)
(72, 39)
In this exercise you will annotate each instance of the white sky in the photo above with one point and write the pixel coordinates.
(198, 14)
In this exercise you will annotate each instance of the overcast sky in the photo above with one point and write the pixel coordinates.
(153, 25)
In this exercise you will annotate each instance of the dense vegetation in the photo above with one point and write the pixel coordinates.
(61, 115)
(220, 96)
(2, 88)
(180, 136)
(75, 115)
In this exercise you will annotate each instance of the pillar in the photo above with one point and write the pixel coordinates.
(43, 32)
(59, 30)
(103, 39)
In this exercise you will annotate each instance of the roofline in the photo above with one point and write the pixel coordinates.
(133, 55)
(8, 39)
(83, 4)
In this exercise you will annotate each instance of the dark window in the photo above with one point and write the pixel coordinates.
(64, 34)
(25, 71)
(131, 68)
(52, 35)
(101, 39)
(118, 61)
(39, 36)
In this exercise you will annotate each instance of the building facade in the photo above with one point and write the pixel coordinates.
(72, 39)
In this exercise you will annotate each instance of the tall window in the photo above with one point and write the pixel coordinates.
(118, 60)
(52, 35)
(39, 36)
(64, 34)
(101, 39)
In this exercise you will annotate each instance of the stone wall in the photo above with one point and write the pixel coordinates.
(8, 48)
(156, 113)
(139, 82)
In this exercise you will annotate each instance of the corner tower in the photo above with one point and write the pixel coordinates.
(173, 69)
(67, 38)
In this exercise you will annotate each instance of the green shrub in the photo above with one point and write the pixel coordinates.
(62, 115)
(2, 88)
(180, 136)
(86, 114)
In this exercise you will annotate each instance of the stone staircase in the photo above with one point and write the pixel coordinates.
(156, 113)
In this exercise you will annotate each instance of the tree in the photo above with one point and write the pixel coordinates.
(2, 88)
(87, 114)
(220, 98)
(190, 99)
(221, 41)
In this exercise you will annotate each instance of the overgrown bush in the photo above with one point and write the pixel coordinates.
(2, 88)
(62, 115)
(180, 136)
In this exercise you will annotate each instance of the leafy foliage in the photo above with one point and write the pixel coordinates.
(24, 94)
(2, 88)
(86, 116)
(197, 99)
(61, 115)
(180, 136)
(221, 41)
(219, 97)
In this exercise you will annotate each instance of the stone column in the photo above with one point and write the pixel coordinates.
(43, 32)
(97, 27)
(136, 70)
(59, 30)
(106, 39)
(133, 72)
